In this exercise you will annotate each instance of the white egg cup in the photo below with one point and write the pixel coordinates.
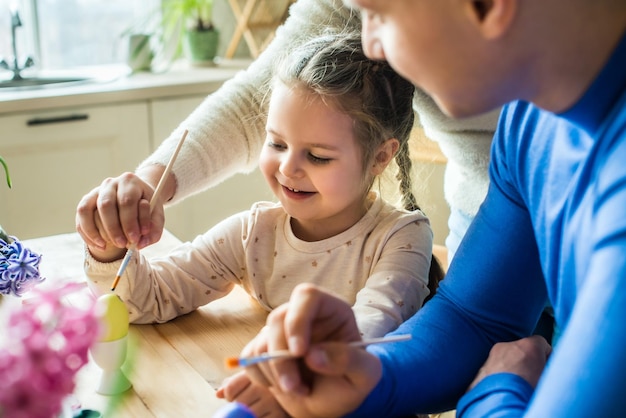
(110, 356)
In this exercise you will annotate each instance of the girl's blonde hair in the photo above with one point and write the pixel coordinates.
(379, 101)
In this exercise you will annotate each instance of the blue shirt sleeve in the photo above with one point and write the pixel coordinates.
(495, 394)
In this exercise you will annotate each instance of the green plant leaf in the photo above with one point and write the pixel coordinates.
(6, 171)
(4, 236)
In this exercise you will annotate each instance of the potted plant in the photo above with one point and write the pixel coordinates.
(199, 37)
(140, 53)
(177, 27)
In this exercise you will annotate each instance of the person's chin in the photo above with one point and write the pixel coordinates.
(457, 110)
(450, 109)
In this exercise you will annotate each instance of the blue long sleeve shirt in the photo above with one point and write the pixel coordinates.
(553, 227)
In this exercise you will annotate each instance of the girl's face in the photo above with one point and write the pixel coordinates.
(313, 164)
(435, 45)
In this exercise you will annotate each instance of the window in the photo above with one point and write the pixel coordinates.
(61, 34)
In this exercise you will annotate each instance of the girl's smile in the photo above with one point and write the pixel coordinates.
(296, 194)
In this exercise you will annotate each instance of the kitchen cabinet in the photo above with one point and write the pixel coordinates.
(200, 212)
(56, 156)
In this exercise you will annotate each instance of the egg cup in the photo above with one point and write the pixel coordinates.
(110, 356)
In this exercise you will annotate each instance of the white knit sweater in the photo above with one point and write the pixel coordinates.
(227, 131)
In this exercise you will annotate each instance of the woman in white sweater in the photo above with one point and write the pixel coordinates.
(226, 134)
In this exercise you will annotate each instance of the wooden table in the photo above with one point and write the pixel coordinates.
(175, 367)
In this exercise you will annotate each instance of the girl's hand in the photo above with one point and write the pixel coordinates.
(122, 207)
(330, 378)
(239, 388)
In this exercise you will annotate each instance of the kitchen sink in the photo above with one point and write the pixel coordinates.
(40, 82)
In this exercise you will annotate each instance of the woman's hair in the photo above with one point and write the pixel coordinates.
(379, 101)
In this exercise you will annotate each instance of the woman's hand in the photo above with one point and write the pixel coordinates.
(118, 211)
(329, 378)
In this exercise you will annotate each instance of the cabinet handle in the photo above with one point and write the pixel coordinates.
(57, 119)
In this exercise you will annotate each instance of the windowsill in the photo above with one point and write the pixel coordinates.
(115, 84)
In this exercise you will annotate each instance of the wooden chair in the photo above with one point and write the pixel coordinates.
(257, 21)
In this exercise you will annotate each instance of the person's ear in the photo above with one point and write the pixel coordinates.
(492, 17)
(384, 154)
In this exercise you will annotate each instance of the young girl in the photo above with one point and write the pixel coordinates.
(335, 122)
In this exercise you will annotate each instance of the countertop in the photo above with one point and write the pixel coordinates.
(115, 84)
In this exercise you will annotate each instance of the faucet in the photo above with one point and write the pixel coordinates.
(15, 67)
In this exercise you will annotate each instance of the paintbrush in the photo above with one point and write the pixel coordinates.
(153, 201)
(232, 362)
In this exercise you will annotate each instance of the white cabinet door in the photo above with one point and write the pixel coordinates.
(198, 213)
(56, 157)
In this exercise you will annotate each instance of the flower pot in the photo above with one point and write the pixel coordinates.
(200, 47)
(140, 54)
